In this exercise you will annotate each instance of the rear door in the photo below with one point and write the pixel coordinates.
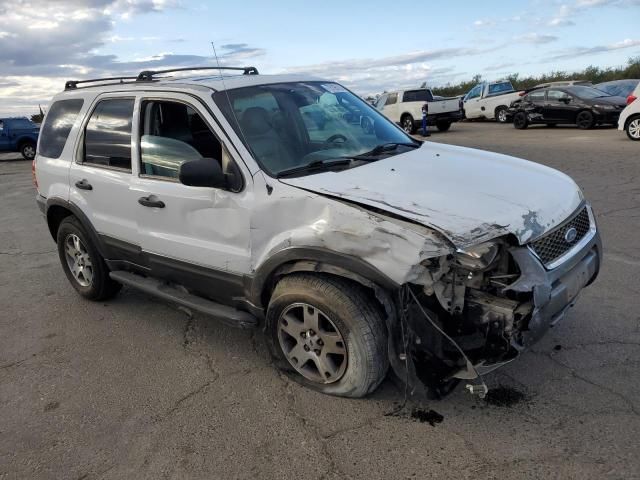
(195, 236)
(100, 176)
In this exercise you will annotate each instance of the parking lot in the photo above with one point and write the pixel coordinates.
(135, 388)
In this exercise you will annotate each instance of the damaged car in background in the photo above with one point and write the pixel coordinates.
(354, 246)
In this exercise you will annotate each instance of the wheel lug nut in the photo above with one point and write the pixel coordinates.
(317, 352)
(320, 342)
(312, 333)
(306, 348)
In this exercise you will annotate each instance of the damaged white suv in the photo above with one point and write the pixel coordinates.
(291, 204)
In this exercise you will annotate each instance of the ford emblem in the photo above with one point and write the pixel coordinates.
(570, 235)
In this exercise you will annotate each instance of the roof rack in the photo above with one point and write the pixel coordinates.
(147, 75)
(71, 84)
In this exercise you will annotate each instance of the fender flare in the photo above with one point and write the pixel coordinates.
(82, 218)
(313, 259)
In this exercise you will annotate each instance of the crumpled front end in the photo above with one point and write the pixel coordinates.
(476, 313)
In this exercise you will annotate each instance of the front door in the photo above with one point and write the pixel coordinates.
(195, 236)
(4, 137)
(100, 177)
(559, 106)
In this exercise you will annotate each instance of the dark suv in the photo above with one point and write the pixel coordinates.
(19, 135)
(578, 105)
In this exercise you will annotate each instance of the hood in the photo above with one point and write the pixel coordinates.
(467, 195)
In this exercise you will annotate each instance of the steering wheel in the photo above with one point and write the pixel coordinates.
(337, 136)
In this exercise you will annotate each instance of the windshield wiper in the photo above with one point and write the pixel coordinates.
(315, 165)
(385, 147)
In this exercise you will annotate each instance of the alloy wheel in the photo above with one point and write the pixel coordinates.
(407, 125)
(78, 260)
(29, 151)
(502, 116)
(584, 120)
(312, 343)
(634, 128)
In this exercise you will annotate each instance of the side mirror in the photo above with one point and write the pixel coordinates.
(566, 100)
(205, 172)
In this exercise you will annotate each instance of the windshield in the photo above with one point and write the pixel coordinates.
(587, 92)
(289, 125)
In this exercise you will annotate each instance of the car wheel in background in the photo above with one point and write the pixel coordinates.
(82, 263)
(633, 128)
(407, 124)
(328, 334)
(443, 126)
(502, 115)
(28, 150)
(520, 121)
(585, 120)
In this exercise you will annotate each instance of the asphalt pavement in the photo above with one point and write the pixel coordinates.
(135, 388)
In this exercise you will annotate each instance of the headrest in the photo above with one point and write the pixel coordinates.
(256, 121)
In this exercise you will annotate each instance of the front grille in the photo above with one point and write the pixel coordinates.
(554, 243)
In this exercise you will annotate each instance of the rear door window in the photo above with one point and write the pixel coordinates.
(392, 99)
(417, 96)
(61, 117)
(536, 97)
(107, 138)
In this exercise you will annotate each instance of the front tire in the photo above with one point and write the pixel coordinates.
(585, 120)
(502, 114)
(520, 121)
(327, 334)
(28, 150)
(408, 124)
(633, 128)
(443, 126)
(82, 263)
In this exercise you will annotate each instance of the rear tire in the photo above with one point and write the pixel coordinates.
(520, 121)
(633, 128)
(585, 120)
(408, 124)
(82, 263)
(501, 114)
(443, 126)
(28, 150)
(356, 363)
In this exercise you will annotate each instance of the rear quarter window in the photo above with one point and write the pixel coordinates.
(57, 125)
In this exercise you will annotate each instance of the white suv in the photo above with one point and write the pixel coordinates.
(630, 117)
(268, 201)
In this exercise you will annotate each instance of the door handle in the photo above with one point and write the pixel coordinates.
(151, 201)
(84, 184)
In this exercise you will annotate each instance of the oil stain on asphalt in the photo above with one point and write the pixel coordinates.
(503, 396)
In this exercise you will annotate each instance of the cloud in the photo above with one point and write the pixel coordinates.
(535, 38)
(500, 66)
(566, 12)
(582, 51)
(484, 23)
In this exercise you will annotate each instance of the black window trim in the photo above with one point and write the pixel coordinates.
(79, 150)
(145, 97)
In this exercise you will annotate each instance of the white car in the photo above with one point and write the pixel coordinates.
(268, 201)
(630, 117)
(490, 101)
(404, 107)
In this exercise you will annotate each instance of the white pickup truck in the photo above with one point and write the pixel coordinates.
(490, 101)
(404, 107)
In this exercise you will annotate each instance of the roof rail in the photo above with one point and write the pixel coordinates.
(147, 75)
(71, 84)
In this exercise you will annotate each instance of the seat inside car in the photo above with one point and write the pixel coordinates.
(267, 144)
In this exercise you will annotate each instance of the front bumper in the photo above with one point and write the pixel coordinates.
(554, 291)
(608, 116)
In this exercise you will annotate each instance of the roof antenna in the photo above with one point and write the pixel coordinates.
(233, 112)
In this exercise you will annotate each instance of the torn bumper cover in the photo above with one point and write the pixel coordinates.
(440, 349)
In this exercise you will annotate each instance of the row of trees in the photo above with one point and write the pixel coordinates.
(591, 73)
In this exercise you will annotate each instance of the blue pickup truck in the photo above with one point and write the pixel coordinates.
(19, 134)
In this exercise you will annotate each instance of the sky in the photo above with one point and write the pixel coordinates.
(368, 46)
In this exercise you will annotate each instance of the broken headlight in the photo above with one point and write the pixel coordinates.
(477, 257)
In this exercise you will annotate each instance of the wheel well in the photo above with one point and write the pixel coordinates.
(631, 117)
(24, 141)
(376, 291)
(405, 115)
(55, 215)
(499, 107)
